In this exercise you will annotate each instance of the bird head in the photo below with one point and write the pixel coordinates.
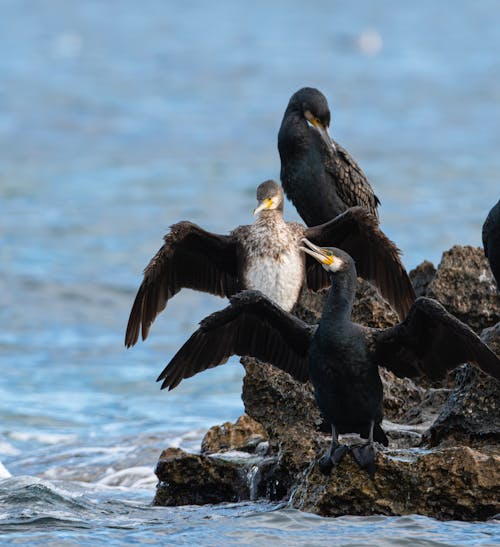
(313, 106)
(332, 259)
(269, 196)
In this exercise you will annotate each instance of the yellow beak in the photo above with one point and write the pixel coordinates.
(264, 204)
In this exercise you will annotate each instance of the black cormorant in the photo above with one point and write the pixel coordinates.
(491, 241)
(339, 357)
(266, 256)
(318, 175)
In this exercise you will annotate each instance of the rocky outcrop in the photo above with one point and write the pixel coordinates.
(443, 459)
(465, 286)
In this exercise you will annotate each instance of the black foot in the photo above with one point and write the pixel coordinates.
(328, 461)
(364, 456)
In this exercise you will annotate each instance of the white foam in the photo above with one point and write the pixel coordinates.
(4, 474)
(8, 450)
(131, 477)
(43, 438)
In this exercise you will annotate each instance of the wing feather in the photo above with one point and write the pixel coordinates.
(377, 258)
(189, 258)
(353, 186)
(431, 341)
(253, 326)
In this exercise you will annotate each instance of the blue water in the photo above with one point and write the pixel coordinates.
(118, 119)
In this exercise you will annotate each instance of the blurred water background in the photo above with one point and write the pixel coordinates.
(119, 118)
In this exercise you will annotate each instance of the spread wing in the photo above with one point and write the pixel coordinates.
(377, 258)
(431, 341)
(189, 258)
(353, 188)
(252, 325)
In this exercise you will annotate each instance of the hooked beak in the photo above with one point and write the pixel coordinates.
(264, 204)
(316, 252)
(322, 130)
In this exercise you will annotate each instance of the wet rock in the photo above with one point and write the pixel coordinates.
(187, 479)
(454, 483)
(472, 413)
(243, 435)
(464, 285)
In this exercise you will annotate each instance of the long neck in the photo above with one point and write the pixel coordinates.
(340, 299)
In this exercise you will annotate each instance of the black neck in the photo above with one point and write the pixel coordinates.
(340, 299)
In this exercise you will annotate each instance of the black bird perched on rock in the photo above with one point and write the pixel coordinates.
(266, 256)
(339, 357)
(491, 241)
(318, 175)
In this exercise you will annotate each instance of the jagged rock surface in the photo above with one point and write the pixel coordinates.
(454, 483)
(464, 285)
(243, 435)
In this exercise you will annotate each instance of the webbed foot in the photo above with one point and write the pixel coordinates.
(364, 456)
(332, 458)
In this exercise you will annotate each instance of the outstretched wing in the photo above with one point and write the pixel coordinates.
(377, 258)
(189, 258)
(252, 325)
(353, 188)
(431, 341)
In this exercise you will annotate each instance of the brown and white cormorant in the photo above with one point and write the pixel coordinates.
(319, 176)
(491, 241)
(339, 357)
(266, 256)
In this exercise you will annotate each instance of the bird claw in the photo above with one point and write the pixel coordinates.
(364, 456)
(331, 459)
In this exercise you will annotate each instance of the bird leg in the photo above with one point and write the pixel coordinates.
(333, 455)
(364, 454)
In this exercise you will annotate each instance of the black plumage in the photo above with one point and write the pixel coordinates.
(318, 175)
(341, 358)
(266, 256)
(491, 241)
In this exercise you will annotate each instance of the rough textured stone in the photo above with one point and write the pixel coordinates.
(454, 483)
(464, 285)
(472, 413)
(244, 435)
(421, 276)
(187, 479)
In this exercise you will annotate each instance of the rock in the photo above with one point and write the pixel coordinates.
(192, 479)
(464, 285)
(472, 413)
(453, 483)
(421, 276)
(370, 309)
(244, 435)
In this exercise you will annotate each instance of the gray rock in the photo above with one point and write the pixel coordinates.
(472, 413)
(464, 285)
(192, 479)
